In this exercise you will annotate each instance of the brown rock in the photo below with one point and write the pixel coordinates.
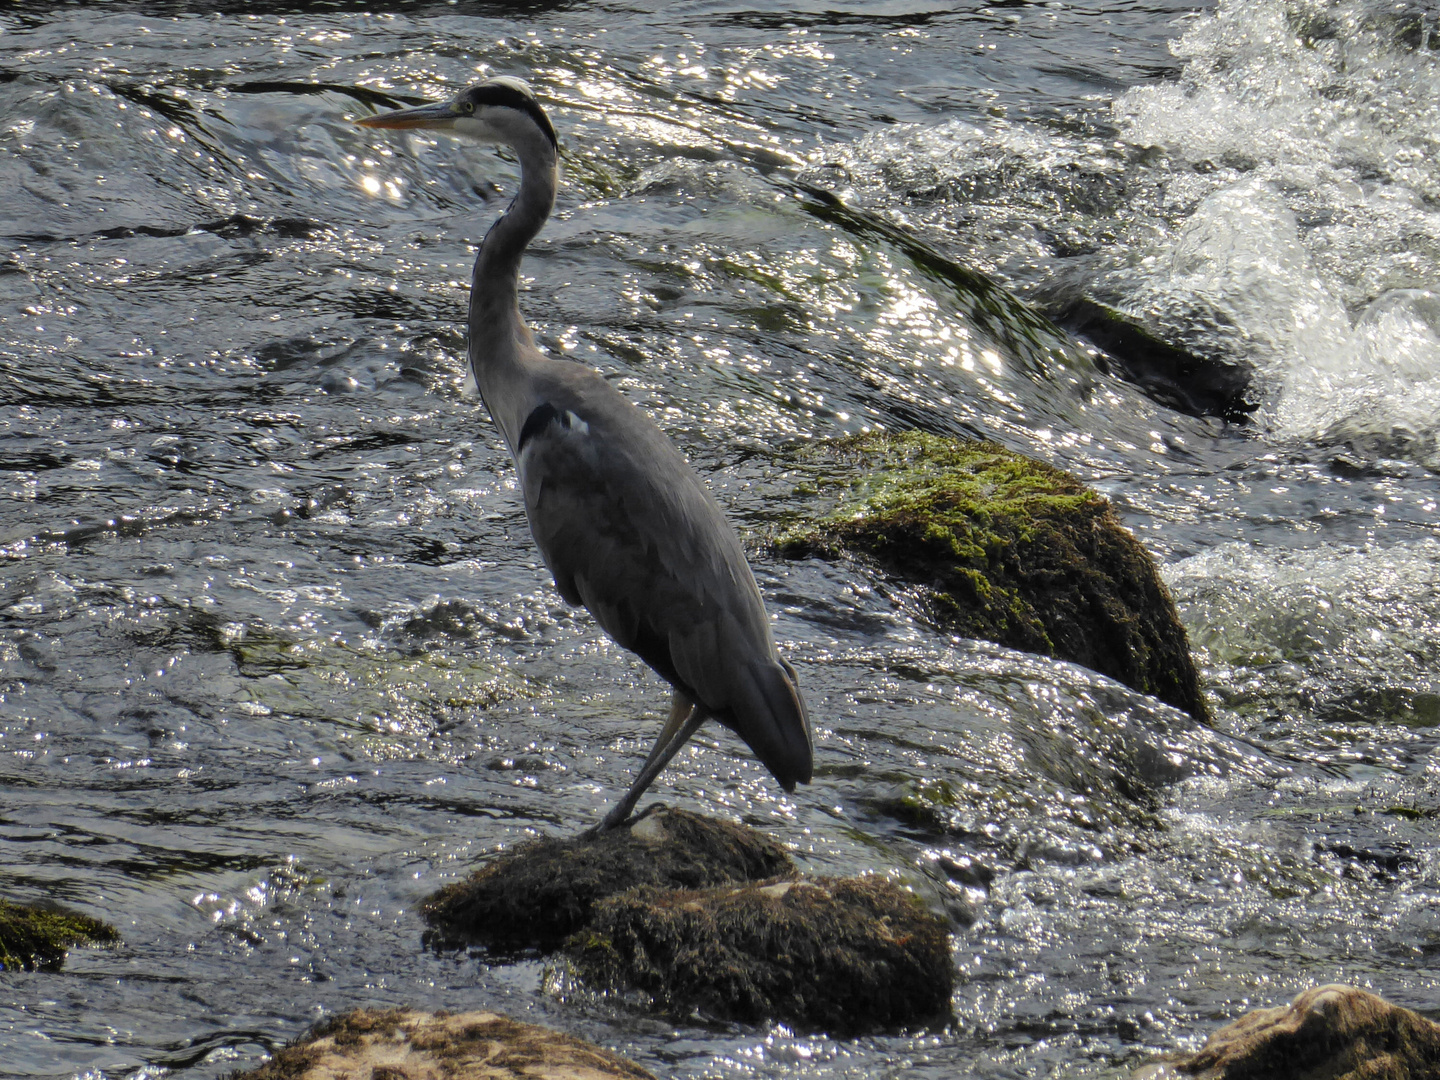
(1329, 1033)
(542, 892)
(399, 1044)
(845, 956)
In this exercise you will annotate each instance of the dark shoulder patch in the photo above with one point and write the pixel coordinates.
(536, 422)
(510, 98)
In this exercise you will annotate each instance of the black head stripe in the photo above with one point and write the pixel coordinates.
(511, 98)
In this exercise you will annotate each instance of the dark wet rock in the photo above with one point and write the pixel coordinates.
(1406, 26)
(544, 891)
(400, 1044)
(1183, 380)
(1383, 861)
(706, 916)
(845, 956)
(1003, 548)
(38, 937)
(1329, 1033)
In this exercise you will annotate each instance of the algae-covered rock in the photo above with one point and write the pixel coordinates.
(1003, 548)
(540, 893)
(400, 1044)
(845, 956)
(32, 937)
(1335, 1032)
(706, 915)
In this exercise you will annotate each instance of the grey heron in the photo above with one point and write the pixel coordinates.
(621, 520)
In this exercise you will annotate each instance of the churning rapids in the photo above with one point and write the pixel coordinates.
(278, 658)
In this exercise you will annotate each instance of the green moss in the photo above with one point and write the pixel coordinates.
(938, 806)
(1003, 548)
(32, 937)
(1078, 798)
(925, 802)
(1410, 813)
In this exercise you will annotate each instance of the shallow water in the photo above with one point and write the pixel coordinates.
(277, 657)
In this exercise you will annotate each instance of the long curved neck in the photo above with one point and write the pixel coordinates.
(494, 287)
(500, 342)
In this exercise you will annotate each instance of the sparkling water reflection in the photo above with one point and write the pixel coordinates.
(277, 656)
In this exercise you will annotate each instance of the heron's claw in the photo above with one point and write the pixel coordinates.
(619, 815)
(608, 822)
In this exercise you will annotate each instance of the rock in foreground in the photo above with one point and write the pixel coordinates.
(844, 956)
(398, 1044)
(1328, 1033)
(1006, 549)
(32, 937)
(707, 916)
(542, 892)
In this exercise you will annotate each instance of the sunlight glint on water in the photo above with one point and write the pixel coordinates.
(278, 658)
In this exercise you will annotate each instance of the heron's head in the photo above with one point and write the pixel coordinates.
(499, 110)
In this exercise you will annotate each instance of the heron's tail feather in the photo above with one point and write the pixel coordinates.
(770, 716)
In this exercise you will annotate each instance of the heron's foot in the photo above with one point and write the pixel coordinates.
(619, 815)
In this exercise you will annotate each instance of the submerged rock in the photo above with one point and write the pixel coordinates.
(845, 956)
(1333, 1032)
(400, 1044)
(543, 891)
(32, 937)
(1169, 374)
(1007, 549)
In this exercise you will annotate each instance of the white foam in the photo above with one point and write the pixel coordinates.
(1312, 133)
(1329, 620)
(1275, 203)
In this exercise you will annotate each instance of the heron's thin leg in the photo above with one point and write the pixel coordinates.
(665, 749)
(680, 709)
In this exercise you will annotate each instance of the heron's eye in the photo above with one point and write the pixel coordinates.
(467, 106)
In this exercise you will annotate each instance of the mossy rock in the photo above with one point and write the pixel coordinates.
(846, 956)
(38, 937)
(1003, 548)
(401, 1044)
(543, 891)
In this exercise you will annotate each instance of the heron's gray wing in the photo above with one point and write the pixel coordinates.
(624, 525)
(628, 530)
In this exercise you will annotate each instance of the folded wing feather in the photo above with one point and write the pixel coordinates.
(629, 531)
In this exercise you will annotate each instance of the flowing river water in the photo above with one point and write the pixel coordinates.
(278, 658)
